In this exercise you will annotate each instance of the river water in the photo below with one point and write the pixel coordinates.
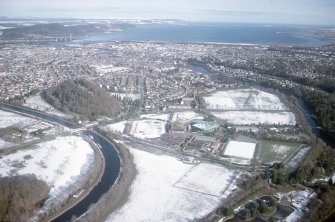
(112, 166)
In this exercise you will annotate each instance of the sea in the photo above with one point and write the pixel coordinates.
(209, 33)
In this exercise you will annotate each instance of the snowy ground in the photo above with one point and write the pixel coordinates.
(127, 95)
(28, 125)
(154, 195)
(186, 116)
(281, 149)
(116, 127)
(147, 129)
(36, 102)
(240, 149)
(265, 108)
(293, 163)
(299, 201)
(4, 144)
(217, 179)
(164, 117)
(255, 118)
(247, 128)
(244, 99)
(8, 119)
(57, 162)
(109, 68)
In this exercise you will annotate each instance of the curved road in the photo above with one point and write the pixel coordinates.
(112, 166)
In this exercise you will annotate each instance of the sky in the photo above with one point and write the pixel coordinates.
(312, 12)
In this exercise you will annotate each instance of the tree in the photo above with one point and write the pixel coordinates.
(263, 207)
(254, 212)
(273, 202)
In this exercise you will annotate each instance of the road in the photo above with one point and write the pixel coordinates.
(112, 166)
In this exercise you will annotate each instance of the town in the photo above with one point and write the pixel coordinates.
(216, 114)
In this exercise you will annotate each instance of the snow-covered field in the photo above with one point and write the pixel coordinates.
(147, 129)
(281, 149)
(233, 106)
(36, 126)
(116, 127)
(8, 119)
(207, 178)
(109, 68)
(244, 99)
(154, 195)
(36, 102)
(57, 162)
(186, 116)
(240, 149)
(255, 117)
(164, 117)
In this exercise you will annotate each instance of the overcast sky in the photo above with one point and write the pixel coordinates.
(319, 12)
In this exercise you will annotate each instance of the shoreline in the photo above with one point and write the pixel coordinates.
(72, 202)
(118, 193)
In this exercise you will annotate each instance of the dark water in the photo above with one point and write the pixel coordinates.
(208, 33)
(201, 69)
(50, 119)
(112, 168)
(330, 141)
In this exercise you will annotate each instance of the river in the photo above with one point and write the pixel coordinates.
(112, 166)
(111, 171)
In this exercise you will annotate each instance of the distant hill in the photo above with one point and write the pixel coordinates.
(52, 30)
(82, 97)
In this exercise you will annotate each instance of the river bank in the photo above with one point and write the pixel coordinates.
(111, 156)
(93, 178)
(117, 195)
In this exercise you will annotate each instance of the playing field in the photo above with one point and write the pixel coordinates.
(268, 151)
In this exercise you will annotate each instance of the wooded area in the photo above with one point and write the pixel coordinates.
(20, 196)
(82, 97)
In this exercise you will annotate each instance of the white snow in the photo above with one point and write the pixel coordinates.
(103, 69)
(256, 117)
(147, 129)
(116, 127)
(36, 102)
(8, 119)
(133, 96)
(247, 128)
(299, 200)
(293, 163)
(244, 99)
(5, 27)
(164, 117)
(155, 197)
(240, 149)
(57, 162)
(281, 149)
(249, 107)
(186, 116)
(207, 178)
(4, 144)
